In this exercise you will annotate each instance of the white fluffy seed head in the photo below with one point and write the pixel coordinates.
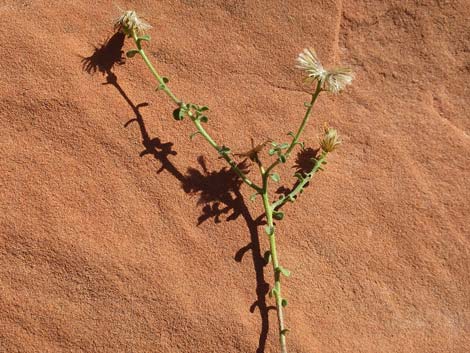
(308, 61)
(338, 78)
(334, 80)
(129, 22)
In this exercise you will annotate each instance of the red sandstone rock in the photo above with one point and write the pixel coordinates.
(117, 236)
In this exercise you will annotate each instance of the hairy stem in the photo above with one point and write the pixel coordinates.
(301, 185)
(197, 122)
(276, 291)
(154, 72)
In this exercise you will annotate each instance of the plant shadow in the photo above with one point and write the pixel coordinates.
(105, 56)
(218, 191)
(304, 162)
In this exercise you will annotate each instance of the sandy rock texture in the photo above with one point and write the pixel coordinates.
(119, 234)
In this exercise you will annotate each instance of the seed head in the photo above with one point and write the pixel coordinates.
(129, 22)
(308, 61)
(334, 80)
(338, 78)
(330, 140)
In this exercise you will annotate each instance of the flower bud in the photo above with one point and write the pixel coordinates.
(330, 140)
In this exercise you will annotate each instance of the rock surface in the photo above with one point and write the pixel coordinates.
(119, 234)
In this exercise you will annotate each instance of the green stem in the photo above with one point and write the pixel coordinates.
(154, 72)
(276, 267)
(225, 156)
(301, 185)
(301, 129)
(269, 217)
(196, 122)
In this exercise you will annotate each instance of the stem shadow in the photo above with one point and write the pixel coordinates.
(262, 287)
(218, 191)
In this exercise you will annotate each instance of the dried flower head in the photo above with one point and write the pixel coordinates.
(338, 78)
(129, 22)
(334, 80)
(330, 140)
(308, 61)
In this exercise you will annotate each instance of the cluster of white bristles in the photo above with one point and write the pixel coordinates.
(129, 22)
(334, 80)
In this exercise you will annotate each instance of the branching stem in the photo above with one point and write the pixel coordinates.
(302, 183)
(163, 86)
(263, 191)
(295, 139)
(276, 290)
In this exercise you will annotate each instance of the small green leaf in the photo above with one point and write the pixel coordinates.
(299, 176)
(269, 230)
(291, 198)
(145, 37)
(203, 119)
(307, 104)
(203, 108)
(290, 133)
(131, 53)
(267, 257)
(284, 303)
(193, 135)
(285, 331)
(283, 146)
(224, 150)
(282, 158)
(284, 271)
(275, 177)
(178, 114)
(253, 197)
(272, 292)
(272, 151)
(278, 215)
(165, 79)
